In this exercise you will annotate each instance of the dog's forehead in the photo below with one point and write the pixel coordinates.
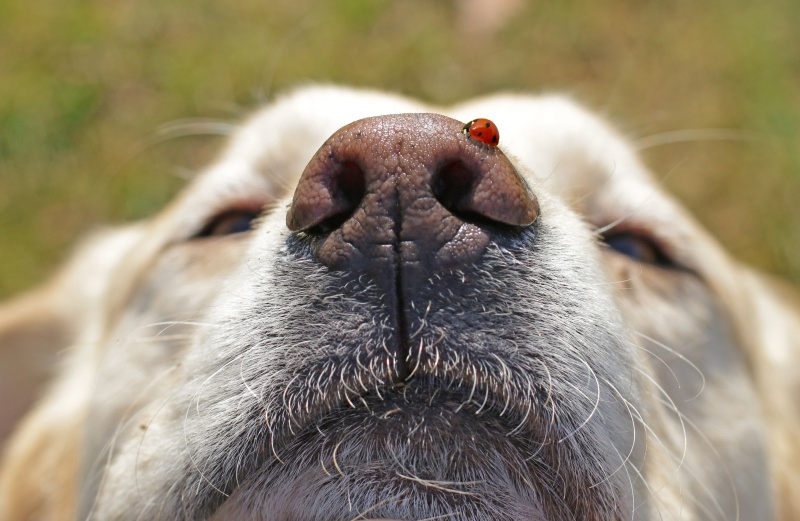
(270, 150)
(569, 151)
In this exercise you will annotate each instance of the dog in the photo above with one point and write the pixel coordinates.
(368, 308)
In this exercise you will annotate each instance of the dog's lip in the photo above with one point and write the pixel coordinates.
(423, 399)
(461, 396)
(425, 425)
(339, 416)
(517, 396)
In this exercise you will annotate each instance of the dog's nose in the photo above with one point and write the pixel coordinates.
(407, 189)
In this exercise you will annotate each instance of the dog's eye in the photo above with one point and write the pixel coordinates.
(228, 222)
(638, 247)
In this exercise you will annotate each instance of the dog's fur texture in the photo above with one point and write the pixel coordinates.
(235, 377)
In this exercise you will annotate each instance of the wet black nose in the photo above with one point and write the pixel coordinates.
(407, 191)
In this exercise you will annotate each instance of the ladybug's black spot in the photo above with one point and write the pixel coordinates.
(488, 124)
(494, 139)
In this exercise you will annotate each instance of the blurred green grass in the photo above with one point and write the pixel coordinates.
(84, 84)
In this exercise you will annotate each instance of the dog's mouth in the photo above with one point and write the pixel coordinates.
(446, 443)
(418, 450)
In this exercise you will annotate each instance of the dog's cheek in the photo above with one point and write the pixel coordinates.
(679, 326)
(682, 332)
(150, 337)
(174, 293)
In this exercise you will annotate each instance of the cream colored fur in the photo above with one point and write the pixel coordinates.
(712, 387)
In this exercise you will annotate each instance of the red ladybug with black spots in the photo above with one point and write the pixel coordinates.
(482, 130)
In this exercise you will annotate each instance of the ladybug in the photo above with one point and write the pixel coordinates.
(482, 130)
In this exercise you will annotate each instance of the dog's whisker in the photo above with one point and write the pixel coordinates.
(596, 401)
(679, 356)
(640, 205)
(694, 135)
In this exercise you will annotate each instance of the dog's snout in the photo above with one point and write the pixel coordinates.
(407, 186)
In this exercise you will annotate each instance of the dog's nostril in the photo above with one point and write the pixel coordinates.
(329, 201)
(348, 186)
(452, 184)
(480, 193)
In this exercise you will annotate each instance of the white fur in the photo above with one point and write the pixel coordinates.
(656, 380)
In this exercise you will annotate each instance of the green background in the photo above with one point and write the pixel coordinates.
(95, 96)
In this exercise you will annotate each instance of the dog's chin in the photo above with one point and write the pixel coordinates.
(403, 457)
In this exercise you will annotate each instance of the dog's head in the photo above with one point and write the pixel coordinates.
(397, 320)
